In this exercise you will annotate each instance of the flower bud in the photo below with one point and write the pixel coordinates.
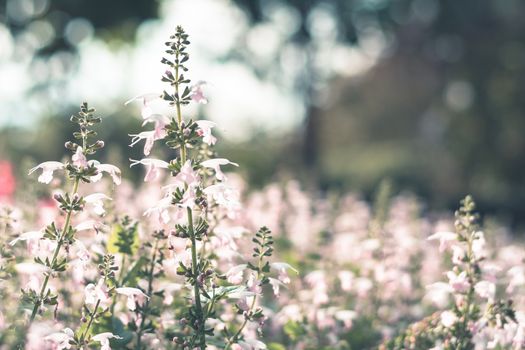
(71, 145)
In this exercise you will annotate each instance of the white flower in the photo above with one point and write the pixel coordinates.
(445, 239)
(150, 137)
(485, 289)
(276, 285)
(204, 130)
(79, 159)
(185, 177)
(235, 274)
(134, 295)
(347, 316)
(94, 293)
(48, 168)
(96, 200)
(61, 339)
(448, 318)
(281, 268)
(459, 282)
(197, 94)
(215, 164)
(112, 170)
(145, 99)
(161, 209)
(30, 237)
(152, 166)
(103, 339)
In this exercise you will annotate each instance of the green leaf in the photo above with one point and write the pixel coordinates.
(123, 240)
(276, 346)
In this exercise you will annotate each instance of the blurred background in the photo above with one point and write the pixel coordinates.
(340, 94)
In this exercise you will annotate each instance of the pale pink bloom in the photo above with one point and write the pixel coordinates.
(185, 177)
(347, 316)
(94, 293)
(252, 344)
(103, 339)
(150, 137)
(282, 270)
(223, 195)
(276, 286)
(485, 289)
(161, 210)
(235, 274)
(478, 245)
(448, 318)
(135, 296)
(445, 239)
(145, 99)
(169, 290)
(152, 166)
(91, 225)
(61, 339)
(159, 120)
(215, 164)
(96, 200)
(197, 94)
(346, 278)
(439, 292)
(48, 168)
(112, 170)
(459, 282)
(31, 237)
(177, 244)
(254, 285)
(458, 254)
(79, 159)
(81, 251)
(517, 278)
(204, 131)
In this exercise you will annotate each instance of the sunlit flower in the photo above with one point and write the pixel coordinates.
(215, 164)
(197, 94)
(150, 137)
(445, 239)
(145, 99)
(459, 282)
(152, 166)
(98, 292)
(276, 285)
(61, 339)
(48, 168)
(96, 200)
(204, 131)
(448, 318)
(485, 289)
(235, 274)
(135, 296)
(282, 270)
(79, 159)
(161, 210)
(112, 170)
(103, 339)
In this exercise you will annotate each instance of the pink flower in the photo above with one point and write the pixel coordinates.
(347, 317)
(91, 225)
(225, 196)
(346, 278)
(445, 239)
(448, 318)
(135, 296)
(61, 339)
(235, 274)
(7, 180)
(197, 95)
(48, 168)
(103, 339)
(112, 170)
(161, 210)
(32, 237)
(459, 282)
(152, 166)
(150, 137)
(276, 285)
(96, 200)
(281, 268)
(145, 99)
(185, 177)
(485, 289)
(215, 164)
(79, 159)
(204, 130)
(94, 293)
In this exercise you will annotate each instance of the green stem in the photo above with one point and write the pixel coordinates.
(91, 318)
(60, 242)
(149, 292)
(195, 271)
(233, 338)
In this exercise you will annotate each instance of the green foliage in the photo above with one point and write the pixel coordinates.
(124, 238)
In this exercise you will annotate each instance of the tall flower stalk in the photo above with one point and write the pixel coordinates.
(197, 199)
(78, 170)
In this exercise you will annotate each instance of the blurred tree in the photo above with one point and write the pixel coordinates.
(442, 109)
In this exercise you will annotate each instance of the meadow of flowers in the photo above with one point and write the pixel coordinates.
(192, 259)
